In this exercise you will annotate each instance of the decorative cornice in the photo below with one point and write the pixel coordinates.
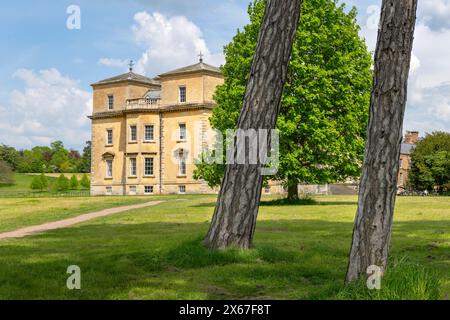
(172, 108)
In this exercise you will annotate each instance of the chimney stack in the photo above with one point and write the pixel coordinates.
(411, 137)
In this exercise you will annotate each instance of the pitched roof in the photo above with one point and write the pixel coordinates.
(129, 76)
(201, 66)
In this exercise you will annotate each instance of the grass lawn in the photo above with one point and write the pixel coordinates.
(300, 252)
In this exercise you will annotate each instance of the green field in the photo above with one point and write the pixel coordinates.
(22, 184)
(300, 252)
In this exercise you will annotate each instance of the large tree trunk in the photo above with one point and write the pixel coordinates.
(234, 219)
(292, 191)
(378, 185)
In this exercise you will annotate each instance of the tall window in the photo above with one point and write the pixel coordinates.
(182, 163)
(182, 167)
(182, 94)
(182, 189)
(149, 132)
(182, 131)
(110, 102)
(109, 164)
(148, 166)
(109, 137)
(133, 133)
(133, 167)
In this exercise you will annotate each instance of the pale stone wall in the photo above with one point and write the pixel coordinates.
(192, 146)
(405, 166)
(210, 83)
(200, 87)
(99, 148)
(142, 149)
(121, 92)
(170, 88)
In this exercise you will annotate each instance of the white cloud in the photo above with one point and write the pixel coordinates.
(415, 63)
(167, 43)
(435, 13)
(49, 107)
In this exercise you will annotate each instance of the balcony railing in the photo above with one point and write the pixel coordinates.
(143, 103)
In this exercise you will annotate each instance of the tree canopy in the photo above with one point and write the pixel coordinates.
(54, 159)
(430, 165)
(324, 109)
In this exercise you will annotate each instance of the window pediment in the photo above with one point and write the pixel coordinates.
(108, 155)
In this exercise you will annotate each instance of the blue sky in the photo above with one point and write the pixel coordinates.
(47, 68)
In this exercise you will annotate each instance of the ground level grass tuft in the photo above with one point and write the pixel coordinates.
(403, 281)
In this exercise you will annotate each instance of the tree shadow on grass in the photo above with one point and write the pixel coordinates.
(302, 260)
(286, 202)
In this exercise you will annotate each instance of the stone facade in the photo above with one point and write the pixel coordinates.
(146, 133)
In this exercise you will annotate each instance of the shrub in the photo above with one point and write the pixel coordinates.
(36, 183)
(44, 181)
(402, 281)
(62, 183)
(73, 183)
(85, 183)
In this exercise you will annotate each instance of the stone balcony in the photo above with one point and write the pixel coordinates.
(155, 103)
(143, 103)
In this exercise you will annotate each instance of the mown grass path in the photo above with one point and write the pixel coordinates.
(23, 232)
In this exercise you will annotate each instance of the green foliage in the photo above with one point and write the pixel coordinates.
(430, 166)
(44, 181)
(324, 109)
(36, 183)
(10, 155)
(73, 183)
(208, 170)
(6, 174)
(55, 159)
(85, 183)
(403, 281)
(62, 183)
(84, 165)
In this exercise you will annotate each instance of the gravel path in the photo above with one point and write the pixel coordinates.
(23, 232)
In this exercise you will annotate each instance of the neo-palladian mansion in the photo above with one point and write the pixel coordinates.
(146, 133)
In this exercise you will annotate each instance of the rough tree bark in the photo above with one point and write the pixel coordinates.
(234, 218)
(292, 192)
(377, 191)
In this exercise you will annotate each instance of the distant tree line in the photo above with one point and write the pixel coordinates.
(44, 159)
